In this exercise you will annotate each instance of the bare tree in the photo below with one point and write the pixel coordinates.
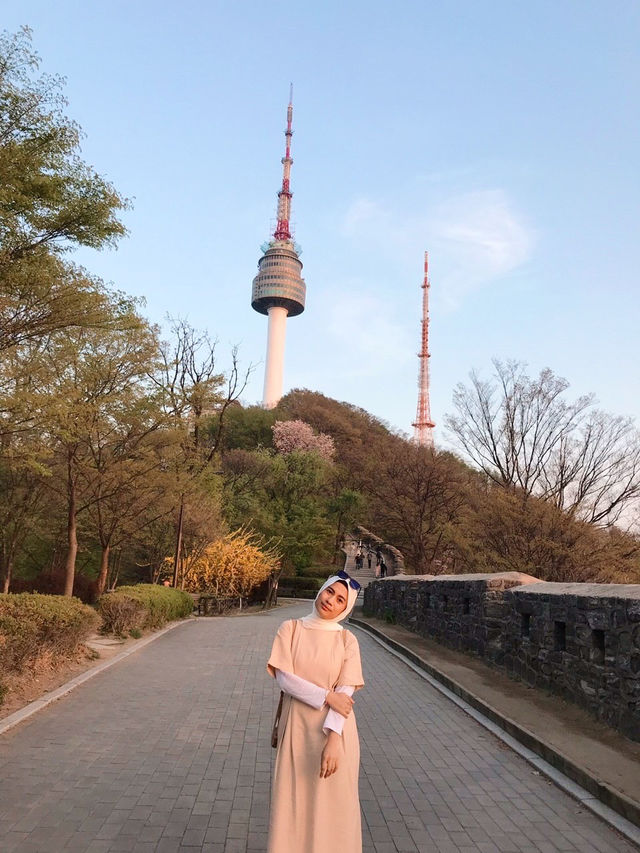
(197, 396)
(523, 434)
(417, 500)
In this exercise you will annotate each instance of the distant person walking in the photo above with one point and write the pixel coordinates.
(383, 568)
(314, 805)
(369, 559)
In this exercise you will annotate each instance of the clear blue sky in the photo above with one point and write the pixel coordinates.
(503, 137)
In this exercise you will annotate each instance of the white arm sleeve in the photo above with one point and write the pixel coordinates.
(299, 688)
(335, 721)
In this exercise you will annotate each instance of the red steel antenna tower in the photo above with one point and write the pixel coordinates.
(282, 231)
(423, 424)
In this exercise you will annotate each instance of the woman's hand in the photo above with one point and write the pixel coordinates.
(330, 756)
(340, 702)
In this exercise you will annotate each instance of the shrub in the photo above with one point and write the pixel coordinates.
(317, 572)
(232, 566)
(309, 583)
(35, 626)
(300, 587)
(120, 613)
(145, 605)
(52, 583)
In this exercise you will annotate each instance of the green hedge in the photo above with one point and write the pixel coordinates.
(34, 626)
(298, 587)
(142, 606)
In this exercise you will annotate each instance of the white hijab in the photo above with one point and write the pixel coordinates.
(317, 622)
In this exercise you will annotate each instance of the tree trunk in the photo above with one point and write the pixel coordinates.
(104, 569)
(72, 539)
(112, 582)
(178, 551)
(8, 559)
(8, 571)
(336, 547)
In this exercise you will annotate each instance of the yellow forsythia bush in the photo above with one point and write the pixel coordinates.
(231, 566)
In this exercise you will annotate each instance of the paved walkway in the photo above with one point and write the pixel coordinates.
(169, 751)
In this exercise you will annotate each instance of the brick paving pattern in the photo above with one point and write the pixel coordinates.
(169, 751)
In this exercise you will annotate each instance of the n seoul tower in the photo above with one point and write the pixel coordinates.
(279, 290)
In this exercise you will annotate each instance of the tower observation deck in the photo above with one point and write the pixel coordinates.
(278, 282)
(278, 289)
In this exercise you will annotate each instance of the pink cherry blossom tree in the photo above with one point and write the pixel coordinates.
(298, 435)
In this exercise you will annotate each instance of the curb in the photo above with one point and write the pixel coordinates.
(32, 708)
(600, 798)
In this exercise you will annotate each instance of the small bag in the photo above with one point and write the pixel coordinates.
(274, 732)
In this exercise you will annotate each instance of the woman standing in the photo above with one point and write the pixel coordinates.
(314, 805)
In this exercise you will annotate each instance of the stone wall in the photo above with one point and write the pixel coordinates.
(580, 641)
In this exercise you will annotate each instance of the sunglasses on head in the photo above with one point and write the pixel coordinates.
(345, 577)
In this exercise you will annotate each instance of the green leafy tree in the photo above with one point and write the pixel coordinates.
(22, 504)
(94, 380)
(346, 508)
(248, 428)
(50, 201)
(48, 195)
(125, 474)
(283, 497)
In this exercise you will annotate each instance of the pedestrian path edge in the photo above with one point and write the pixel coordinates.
(600, 798)
(32, 708)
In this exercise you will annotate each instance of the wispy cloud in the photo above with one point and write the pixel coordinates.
(361, 215)
(365, 219)
(480, 238)
(474, 238)
(370, 341)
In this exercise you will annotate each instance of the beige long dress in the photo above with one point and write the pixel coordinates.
(310, 814)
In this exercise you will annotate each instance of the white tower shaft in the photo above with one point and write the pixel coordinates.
(274, 367)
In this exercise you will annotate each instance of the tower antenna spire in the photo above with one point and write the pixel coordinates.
(423, 424)
(283, 231)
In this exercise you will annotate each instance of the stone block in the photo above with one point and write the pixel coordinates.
(598, 619)
(618, 617)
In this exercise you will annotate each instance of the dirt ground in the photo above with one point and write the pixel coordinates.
(47, 676)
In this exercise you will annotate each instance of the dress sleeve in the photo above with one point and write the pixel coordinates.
(351, 672)
(281, 657)
(335, 721)
(299, 688)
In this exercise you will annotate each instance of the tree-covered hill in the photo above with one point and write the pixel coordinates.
(444, 515)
